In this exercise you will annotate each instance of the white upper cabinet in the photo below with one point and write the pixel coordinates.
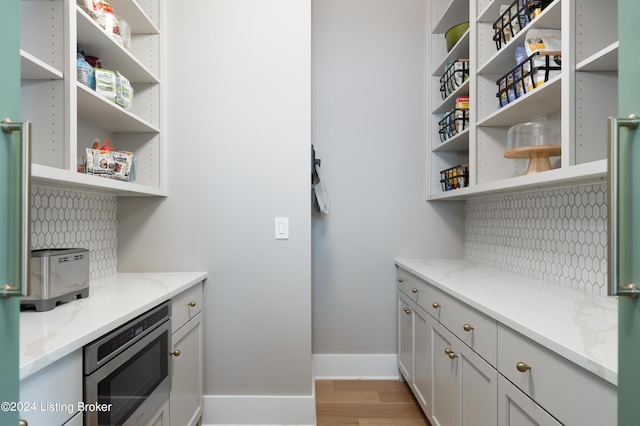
(581, 95)
(67, 116)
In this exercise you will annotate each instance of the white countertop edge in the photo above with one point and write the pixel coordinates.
(439, 277)
(44, 341)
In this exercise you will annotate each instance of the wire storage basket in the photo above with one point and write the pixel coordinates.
(456, 74)
(453, 123)
(535, 70)
(510, 22)
(515, 17)
(455, 177)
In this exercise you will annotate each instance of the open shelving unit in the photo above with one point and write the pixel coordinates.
(582, 96)
(67, 116)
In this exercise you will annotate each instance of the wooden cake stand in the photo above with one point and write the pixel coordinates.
(538, 156)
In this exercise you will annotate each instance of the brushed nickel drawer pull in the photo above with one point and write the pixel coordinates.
(400, 280)
(414, 290)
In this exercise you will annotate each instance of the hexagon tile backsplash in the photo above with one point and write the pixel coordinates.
(73, 219)
(558, 235)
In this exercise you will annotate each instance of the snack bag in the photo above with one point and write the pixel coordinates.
(99, 163)
(545, 42)
(124, 91)
(106, 83)
(123, 162)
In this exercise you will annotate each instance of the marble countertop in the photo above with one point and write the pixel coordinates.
(46, 337)
(581, 327)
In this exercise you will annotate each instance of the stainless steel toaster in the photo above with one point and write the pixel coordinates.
(57, 276)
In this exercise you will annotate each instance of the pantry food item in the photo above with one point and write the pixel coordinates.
(513, 18)
(537, 68)
(455, 177)
(454, 76)
(102, 12)
(456, 120)
(85, 73)
(462, 102)
(112, 164)
(124, 91)
(547, 43)
(106, 83)
(114, 86)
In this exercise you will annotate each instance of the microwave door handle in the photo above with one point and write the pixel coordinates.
(20, 210)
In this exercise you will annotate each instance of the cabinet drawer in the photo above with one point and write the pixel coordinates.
(570, 393)
(185, 306)
(414, 287)
(474, 328)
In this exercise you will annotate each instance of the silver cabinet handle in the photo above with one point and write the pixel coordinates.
(20, 210)
(618, 184)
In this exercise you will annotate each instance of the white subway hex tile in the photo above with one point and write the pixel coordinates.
(552, 234)
(63, 218)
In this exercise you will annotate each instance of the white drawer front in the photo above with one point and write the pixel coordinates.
(414, 287)
(474, 328)
(570, 393)
(185, 306)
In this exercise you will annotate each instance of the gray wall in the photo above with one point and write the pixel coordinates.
(369, 130)
(238, 157)
(238, 154)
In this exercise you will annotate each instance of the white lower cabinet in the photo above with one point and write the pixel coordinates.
(517, 409)
(466, 369)
(415, 349)
(160, 417)
(405, 338)
(45, 401)
(568, 392)
(422, 346)
(464, 385)
(187, 387)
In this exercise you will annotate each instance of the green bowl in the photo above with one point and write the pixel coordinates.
(454, 33)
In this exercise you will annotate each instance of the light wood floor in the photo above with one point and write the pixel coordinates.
(366, 403)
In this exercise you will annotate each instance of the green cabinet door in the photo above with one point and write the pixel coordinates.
(9, 108)
(628, 207)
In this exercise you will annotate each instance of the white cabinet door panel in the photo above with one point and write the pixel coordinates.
(423, 350)
(517, 409)
(446, 378)
(405, 338)
(187, 368)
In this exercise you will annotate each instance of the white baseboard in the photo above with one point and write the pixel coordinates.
(356, 366)
(259, 410)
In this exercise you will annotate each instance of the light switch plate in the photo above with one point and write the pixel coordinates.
(282, 228)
